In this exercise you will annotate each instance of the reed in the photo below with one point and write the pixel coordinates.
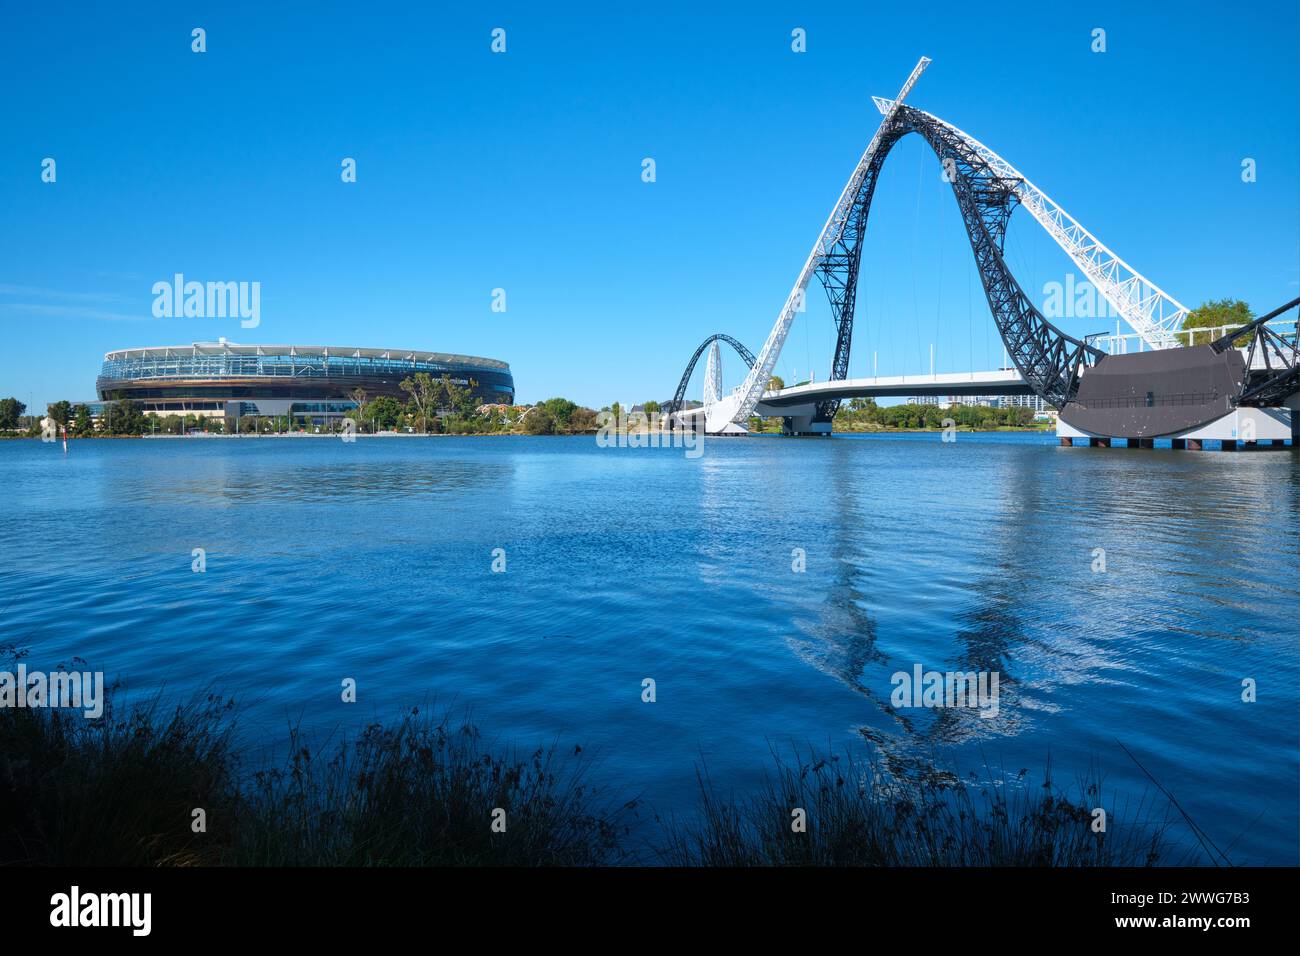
(426, 790)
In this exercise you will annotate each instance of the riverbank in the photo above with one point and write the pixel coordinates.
(885, 429)
(335, 436)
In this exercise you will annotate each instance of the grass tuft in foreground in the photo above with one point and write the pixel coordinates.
(424, 792)
(117, 791)
(856, 817)
(122, 790)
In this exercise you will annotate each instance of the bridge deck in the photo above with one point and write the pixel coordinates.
(996, 382)
(1005, 381)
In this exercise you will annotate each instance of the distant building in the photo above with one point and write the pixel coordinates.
(1033, 402)
(948, 401)
(311, 383)
(1024, 401)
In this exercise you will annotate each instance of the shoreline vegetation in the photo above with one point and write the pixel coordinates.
(442, 408)
(767, 433)
(165, 785)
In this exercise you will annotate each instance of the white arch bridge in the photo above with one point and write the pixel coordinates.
(1165, 388)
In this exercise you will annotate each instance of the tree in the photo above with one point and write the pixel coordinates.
(424, 392)
(358, 398)
(561, 410)
(383, 412)
(1217, 313)
(125, 418)
(583, 420)
(775, 383)
(494, 419)
(84, 425)
(458, 400)
(59, 412)
(10, 411)
(538, 421)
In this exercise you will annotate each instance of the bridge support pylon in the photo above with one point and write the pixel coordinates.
(805, 425)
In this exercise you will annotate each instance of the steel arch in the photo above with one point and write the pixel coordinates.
(1049, 359)
(679, 397)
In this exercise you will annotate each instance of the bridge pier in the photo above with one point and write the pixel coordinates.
(1266, 427)
(805, 425)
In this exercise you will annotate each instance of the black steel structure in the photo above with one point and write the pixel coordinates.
(1049, 360)
(1280, 376)
(679, 397)
(1139, 395)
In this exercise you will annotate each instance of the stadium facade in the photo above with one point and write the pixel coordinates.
(312, 383)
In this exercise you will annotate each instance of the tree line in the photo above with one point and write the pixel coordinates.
(863, 414)
(437, 406)
(433, 406)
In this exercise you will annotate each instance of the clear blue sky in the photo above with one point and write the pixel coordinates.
(523, 171)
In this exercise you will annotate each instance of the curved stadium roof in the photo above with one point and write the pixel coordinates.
(302, 351)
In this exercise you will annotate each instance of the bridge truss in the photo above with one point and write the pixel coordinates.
(1272, 361)
(1049, 359)
(1151, 312)
(987, 190)
(679, 397)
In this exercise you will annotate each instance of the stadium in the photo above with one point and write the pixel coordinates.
(307, 383)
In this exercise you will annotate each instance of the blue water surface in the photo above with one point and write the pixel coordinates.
(372, 560)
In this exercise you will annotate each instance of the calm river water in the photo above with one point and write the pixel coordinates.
(373, 560)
